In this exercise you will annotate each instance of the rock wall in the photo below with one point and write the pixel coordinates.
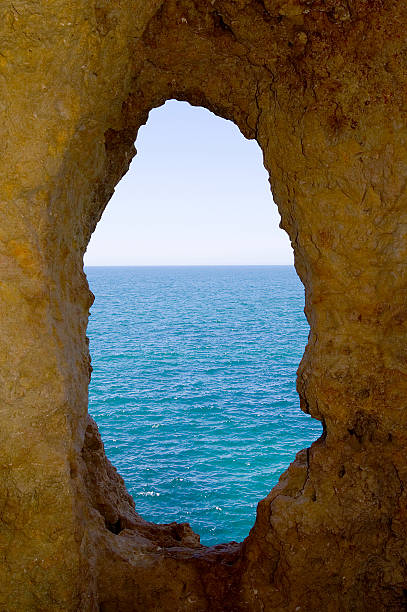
(321, 85)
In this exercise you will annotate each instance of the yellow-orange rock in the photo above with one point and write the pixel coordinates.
(321, 85)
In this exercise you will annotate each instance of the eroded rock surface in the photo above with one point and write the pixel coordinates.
(321, 85)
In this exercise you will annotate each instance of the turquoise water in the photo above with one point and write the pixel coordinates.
(193, 388)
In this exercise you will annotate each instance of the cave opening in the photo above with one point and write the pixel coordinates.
(197, 328)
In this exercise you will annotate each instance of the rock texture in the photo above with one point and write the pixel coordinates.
(321, 85)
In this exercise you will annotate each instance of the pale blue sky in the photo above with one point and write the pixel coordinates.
(196, 194)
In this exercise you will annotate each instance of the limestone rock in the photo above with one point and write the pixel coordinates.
(321, 85)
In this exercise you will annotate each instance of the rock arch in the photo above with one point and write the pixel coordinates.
(321, 85)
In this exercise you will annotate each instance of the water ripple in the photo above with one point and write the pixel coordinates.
(193, 388)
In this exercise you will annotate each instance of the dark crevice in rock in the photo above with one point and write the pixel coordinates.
(115, 528)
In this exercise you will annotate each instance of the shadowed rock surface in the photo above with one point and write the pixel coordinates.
(322, 86)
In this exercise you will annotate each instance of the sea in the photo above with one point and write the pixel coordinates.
(193, 388)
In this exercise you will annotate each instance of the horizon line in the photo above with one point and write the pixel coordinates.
(287, 265)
